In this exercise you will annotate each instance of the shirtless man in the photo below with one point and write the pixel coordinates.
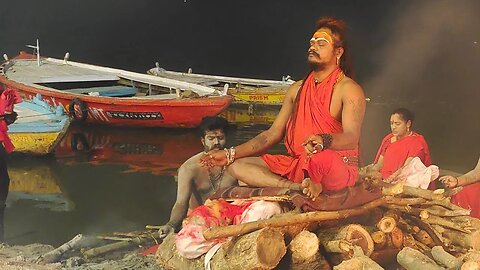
(321, 119)
(195, 183)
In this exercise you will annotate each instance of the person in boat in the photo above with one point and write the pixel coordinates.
(468, 196)
(321, 118)
(195, 184)
(8, 98)
(398, 148)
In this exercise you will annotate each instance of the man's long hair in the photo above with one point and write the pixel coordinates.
(339, 29)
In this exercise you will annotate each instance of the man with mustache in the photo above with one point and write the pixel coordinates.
(195, 184)
(320, 118)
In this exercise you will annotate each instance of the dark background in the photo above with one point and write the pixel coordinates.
(421, 54)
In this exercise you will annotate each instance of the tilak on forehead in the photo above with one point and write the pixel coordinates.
(322, 35)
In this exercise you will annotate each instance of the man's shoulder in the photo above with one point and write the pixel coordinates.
(193, 162)
(348, 87)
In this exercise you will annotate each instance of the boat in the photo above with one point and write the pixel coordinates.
(39, 127)
(244, 90)
(102, 95)
(238, 114)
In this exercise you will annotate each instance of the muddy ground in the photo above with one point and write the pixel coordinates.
(26, 257)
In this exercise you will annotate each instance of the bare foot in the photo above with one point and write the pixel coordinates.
(311, 189)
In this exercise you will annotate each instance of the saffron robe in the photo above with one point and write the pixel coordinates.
(395, 154)
(468, 198)
(8, 98)
(313, 116)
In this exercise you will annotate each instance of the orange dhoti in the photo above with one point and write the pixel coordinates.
(333, 169)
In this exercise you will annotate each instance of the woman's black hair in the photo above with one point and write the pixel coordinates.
(405, 114)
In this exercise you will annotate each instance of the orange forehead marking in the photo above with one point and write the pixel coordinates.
(323, 34)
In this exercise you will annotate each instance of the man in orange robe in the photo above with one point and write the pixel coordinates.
(321, 119)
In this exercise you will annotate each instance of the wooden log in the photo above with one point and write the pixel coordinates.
(168, 258)
(379, 240)
(409, 241)
(397, 238)
(466, 240)
(412, 259)
(431, 219)
(441, 211)
(310, 217)
(444, 258)
(139, 240)
(304, 252)
(343, 240)
(358, 262)
(471, 265)
(388, 222)
(56, 254)
(424, 238)
(261, 249)
(426, 227)
(385, 257)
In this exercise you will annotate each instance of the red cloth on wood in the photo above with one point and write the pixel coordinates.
(8, 98)
(468, 198)
(313, 117)
(395, 154)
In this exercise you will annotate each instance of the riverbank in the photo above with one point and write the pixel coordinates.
(26, 257)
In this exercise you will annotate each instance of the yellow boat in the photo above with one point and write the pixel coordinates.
(39, 127)
(244, 90)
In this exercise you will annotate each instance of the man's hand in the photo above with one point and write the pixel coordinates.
(449, 181)
(214, 158)
(313, 144)
(165, 230)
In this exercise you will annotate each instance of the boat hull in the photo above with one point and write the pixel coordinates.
(35, 143)
(140, 112)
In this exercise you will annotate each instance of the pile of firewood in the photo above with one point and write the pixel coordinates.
(410, 227)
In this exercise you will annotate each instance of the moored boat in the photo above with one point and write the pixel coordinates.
(110, 96)
(39, 126)
(244, 90)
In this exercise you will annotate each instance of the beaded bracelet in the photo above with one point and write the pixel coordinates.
(327, 140)
(230, 154)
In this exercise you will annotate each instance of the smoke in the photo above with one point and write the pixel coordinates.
(429, 63)
(427, 38)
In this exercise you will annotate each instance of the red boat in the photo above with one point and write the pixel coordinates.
(110, 96)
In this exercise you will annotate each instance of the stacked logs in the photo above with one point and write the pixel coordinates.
(395, 229)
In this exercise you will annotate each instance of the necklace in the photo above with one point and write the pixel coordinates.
(216, 178)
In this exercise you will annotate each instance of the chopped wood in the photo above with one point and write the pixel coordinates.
(445, 258)
(56, 254)
(471, 265)
(387, 224)
(310, 217)
(304, 251)
(424, 238)
(379, 239)
(397, 238)
(261, 249)
(358, 262)
(441, 211)
(343, 240)
(139, 240)
(466, 240)
(412, 259)
(426, 227)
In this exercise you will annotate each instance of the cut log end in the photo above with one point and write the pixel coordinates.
(387, 224)
(358, 236)
(270, 247)
(305, 244)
